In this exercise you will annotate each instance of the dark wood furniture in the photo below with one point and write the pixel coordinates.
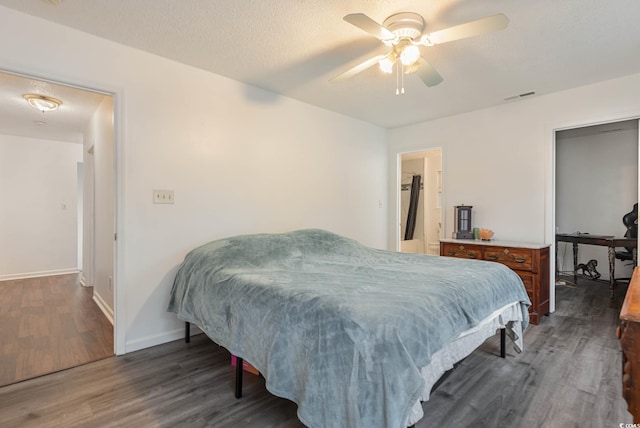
(629, 335)
(612, 242)
(529, 261)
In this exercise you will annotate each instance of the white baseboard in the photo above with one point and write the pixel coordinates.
(9, 277)
(106, 310)
(159, 339)
(83, 281)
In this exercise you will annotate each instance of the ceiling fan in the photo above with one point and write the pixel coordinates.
(402, 32)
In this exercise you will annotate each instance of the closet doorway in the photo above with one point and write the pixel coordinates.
(596, 185)
(420, 202)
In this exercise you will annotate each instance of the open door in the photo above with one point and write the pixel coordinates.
(420, 202)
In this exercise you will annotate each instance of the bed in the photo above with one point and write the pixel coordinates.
(355, 336)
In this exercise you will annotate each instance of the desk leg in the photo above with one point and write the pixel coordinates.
(575, 263)
(612, 264)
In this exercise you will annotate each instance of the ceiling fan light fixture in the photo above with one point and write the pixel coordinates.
(42, 102)
(386, 65)
(409, 55)
(405, 25)
(402, 33)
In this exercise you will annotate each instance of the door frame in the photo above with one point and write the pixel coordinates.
(119, 313)
(397, 210)
(550, 184)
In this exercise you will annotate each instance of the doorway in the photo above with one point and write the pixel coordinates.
(420, 202)
(71, 200)
(596, 185)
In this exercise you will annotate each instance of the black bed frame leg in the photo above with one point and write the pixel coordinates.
(239, 363)
(503, 340)
(187, 332)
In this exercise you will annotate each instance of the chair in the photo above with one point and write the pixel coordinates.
(630, 221)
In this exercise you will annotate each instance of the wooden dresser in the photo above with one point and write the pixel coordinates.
(529, 261)
(629, 335)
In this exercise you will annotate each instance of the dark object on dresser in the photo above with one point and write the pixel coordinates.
(629, 335)
(462, 222)
(530, 262)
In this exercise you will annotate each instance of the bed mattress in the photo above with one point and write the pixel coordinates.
(341, 329)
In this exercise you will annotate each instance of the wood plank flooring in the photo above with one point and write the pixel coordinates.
(568, 375)
(49, 324)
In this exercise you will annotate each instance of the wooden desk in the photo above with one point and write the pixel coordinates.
(612, 242)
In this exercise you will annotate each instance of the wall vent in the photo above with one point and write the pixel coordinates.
(524, 94)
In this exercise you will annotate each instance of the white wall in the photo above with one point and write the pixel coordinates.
(38, 218)
(100, 206)
(596, 184)
(240, 160)
(501, 159)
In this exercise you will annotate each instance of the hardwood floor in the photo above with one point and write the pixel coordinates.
(49, 324)
(568, 375)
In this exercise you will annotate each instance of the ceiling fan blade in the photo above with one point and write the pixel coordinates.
(357, 69)
(427, 73)
(470, 29)
(370, 26)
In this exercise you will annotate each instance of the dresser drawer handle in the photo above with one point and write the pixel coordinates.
(472, 255)
(451, 253)
(493, 257)
(519, 259)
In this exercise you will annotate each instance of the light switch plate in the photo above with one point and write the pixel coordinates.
(161, 196)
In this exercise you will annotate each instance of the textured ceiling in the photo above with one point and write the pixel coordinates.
(67, 123)
(292, 47)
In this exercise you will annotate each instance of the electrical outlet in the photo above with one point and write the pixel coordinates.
(162, 196)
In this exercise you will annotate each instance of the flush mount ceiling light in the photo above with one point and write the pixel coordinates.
(42, 102)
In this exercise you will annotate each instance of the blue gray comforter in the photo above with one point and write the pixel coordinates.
(339, 328)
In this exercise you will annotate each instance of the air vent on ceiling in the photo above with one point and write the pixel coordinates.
(525, 94)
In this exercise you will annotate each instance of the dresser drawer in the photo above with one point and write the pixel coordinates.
(527, 280)
(529, 262)
(515, 258)
(463, 251)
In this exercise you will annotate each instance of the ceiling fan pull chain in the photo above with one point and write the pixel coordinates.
(397, 79)
(402, 77)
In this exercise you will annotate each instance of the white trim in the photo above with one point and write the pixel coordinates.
(83, 281)
(398, 196)
(159, 339)
(106, 310)
(550, 184)
(119, 295)
(117, 93)
(25, 275)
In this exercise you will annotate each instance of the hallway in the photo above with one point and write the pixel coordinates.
(49, 324)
